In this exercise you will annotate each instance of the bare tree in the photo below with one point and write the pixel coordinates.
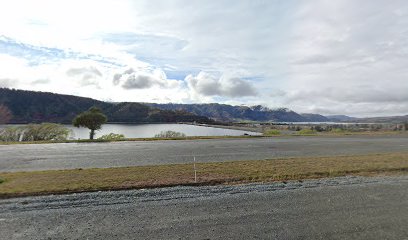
(5, 114)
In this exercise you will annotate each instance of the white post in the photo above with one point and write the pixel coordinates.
(195, 171)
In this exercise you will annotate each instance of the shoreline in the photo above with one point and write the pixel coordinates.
(231, 127)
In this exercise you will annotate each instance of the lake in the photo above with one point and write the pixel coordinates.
(149, 130)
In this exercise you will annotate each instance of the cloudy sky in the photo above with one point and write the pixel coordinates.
(328, 57)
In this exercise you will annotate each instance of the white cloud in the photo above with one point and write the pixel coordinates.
(7, 82)
(86, 75)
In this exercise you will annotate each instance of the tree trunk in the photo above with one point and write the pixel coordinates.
(92, 134)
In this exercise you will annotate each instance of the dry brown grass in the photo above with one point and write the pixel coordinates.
(77, 180)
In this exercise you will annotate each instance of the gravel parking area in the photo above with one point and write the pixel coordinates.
(33, 157)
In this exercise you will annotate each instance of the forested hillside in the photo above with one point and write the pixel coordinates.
(19, 106)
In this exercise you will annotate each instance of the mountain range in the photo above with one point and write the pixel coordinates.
(20, 106)
(228, 113)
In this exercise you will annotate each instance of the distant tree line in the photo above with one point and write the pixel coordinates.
(348, 127)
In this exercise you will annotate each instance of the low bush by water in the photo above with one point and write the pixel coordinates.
(170, 134)
(35, 132)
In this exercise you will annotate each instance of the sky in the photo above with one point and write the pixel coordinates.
(322, 56)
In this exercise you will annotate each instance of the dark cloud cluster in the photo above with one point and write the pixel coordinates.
(140, 82)
(133, 79)
(207, 85)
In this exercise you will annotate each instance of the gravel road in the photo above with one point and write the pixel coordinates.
(338, 208)
(32, 157)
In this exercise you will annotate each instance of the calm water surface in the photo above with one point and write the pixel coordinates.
(149, 130)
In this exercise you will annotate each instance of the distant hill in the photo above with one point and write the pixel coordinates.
(340, 118)
(30, 106)
(223, 112)
(310, 117)
(386, 119)
(390, 119)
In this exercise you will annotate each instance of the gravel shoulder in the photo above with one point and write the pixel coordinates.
(336, 208)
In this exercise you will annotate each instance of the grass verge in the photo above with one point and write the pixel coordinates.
(79, 180)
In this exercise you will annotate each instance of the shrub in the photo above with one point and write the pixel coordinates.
(170, 134)
(11, 134)
(2, 180)
(337, 130)
(35, 132)
(307, 131)
(271, 132)
(319, 128)
(112, 136)
(45, 132)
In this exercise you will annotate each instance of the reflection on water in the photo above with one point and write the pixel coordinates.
(149, 130)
